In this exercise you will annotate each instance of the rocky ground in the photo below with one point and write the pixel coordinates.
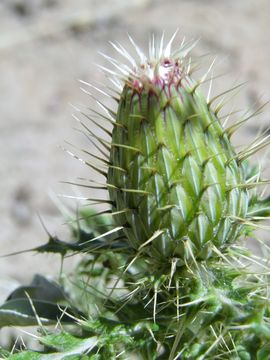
(47, 45)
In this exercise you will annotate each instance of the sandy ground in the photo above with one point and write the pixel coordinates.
(47, 45)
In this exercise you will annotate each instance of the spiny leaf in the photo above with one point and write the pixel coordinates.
(20, 312)
(67, 346)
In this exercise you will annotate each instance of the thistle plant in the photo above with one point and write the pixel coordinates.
(166, 263)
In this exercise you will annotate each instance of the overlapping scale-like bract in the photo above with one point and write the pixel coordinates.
(173, 168)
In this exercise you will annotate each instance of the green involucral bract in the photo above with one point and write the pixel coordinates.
(174, 172)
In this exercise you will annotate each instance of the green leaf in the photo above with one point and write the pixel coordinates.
(20, 312)
(4, 353)
(26, 355)
(84, 244)
(67, 347)
(264, 353)
(258, 207)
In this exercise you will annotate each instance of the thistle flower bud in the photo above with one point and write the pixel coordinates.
(174, 172)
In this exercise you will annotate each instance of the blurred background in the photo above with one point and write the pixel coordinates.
(46, 46)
